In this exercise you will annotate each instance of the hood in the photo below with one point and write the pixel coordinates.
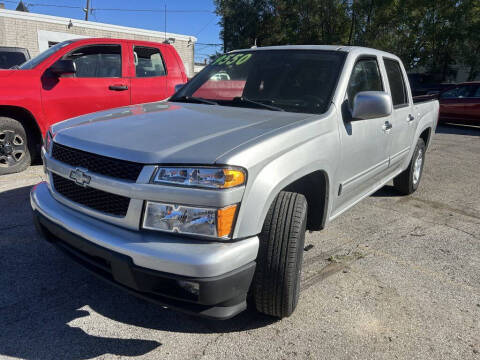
(169, 132)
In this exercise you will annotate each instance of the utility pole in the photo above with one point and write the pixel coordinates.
(87, 10)
(166, 22)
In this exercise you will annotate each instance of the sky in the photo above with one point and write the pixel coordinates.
(189, 17)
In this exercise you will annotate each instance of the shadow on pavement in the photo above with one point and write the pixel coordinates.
(386, 191)
(458, 129)
(42, 291)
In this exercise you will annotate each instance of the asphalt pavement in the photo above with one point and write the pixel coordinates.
(396, 277)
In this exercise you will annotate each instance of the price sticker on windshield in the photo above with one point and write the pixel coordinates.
(232, 59)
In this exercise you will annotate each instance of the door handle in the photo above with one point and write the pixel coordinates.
(118, 87)
(410, 118)
(387, 126)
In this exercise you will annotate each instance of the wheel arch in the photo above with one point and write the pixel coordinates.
(426, 135)
(315, 187)
(29, 123)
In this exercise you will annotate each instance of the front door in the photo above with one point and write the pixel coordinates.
(97, 85)
(456, 103)
(365, 143)
(403, 119)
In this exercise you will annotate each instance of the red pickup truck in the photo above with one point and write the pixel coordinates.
(76, 77)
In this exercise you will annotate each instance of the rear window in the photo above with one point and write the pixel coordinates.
(397, 83)
(10, 58)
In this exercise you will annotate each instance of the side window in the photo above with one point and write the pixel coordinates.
(477, 93)
(449, 94)
(458, 92)
(365, 77)
(97, 61)
(396, 81)
(148, 62)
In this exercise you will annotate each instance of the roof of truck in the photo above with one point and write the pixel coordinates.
(343, 48)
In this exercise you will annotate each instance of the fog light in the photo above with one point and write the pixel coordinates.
(190, 286)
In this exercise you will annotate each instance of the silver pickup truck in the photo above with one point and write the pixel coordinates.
(201, 203)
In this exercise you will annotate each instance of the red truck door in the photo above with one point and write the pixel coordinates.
(455, 102)
(99, 83)
(149, 74)
(472, 106)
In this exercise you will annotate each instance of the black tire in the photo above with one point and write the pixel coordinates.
(407, 182)
(276, 284)
(15, 154)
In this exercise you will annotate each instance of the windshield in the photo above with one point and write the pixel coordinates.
(30, 64)
(290, 80)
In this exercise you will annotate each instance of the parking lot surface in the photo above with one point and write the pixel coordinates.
(396, 277)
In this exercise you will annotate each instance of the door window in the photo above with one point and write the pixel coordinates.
(397, 83)
(476, 95)
(97, 61)
(459, 92)
(365, 77)
(148, 62)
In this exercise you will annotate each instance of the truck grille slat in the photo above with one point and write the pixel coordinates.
(93, 198)
(99, 164)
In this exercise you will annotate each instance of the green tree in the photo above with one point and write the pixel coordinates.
(431, 34)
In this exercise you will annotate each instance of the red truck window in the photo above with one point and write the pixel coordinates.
(97, 61)
(148, 62)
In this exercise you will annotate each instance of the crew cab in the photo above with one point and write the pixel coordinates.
(202, 201)
(77, 77)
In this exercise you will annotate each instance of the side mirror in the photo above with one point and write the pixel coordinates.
(178, 87)
(63, 67)
(371, 104)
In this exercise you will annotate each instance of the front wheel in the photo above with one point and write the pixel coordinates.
(276, 284)
(14, 150)
(407, 182)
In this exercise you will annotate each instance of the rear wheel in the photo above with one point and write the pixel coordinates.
(276, 284)
(407, 182)
(14, 151)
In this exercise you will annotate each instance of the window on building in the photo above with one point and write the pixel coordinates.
(97, 61)
(365, 77)
(148, 62)
(396, 81)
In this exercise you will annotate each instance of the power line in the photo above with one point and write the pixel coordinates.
(155, 10)
(206, 25)
(111, 9)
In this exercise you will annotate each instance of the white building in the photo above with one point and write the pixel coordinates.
(37, 32)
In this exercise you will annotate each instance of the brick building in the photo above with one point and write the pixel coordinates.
(37, 32)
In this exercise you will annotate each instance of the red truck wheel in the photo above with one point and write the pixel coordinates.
(14, 152)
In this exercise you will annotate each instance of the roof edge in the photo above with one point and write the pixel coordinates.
(91, 24)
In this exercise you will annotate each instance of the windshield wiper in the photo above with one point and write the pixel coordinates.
(15, 67)
(258, 103)
(194, 99)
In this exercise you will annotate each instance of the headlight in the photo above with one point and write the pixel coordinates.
(209, 222)
(215, 178)
(47, 142)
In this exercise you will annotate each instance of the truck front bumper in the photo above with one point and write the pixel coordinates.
(209, 279)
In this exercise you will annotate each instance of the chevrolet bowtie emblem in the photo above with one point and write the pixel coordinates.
(80, 177)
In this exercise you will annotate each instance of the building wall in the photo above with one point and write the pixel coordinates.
(24, 32)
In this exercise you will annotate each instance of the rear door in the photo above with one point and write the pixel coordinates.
(149, 74)
(403, 119)
(98, 84)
